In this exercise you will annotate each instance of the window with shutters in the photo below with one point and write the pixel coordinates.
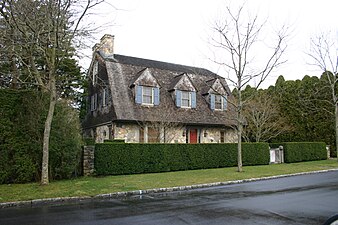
(185, 99)
(147, 95)
(218, 102)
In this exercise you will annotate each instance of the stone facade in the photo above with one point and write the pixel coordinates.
(88, 160)
(102, 133)
(127, 132)
(213, 135)
(130, 133)
(129, 97)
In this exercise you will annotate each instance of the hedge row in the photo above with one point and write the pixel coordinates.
(302, 151)
(115, 159)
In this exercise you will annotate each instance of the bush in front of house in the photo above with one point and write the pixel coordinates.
(115, 159)
(302, 151)
(22, 117)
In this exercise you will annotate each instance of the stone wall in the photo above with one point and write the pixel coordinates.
(130, 133)
(127, 132)
(213, 135)
(101, 134)
(88, 160)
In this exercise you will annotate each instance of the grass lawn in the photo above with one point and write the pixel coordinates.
(90, 186)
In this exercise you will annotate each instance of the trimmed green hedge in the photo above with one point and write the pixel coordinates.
(115, 159)
(302, 151)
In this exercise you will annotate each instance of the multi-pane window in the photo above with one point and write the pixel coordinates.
(104, 97)
(185, 99)
(218, 102)
(153, 135)
(147, 95)
(93, 102)
(95, 72)
(222, 138)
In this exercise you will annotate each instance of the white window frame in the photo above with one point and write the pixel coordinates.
(104, 92)
(152, 95)
(95, 72)
(222, 99)
(189, 99)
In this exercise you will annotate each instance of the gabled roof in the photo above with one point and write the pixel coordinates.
(124, 71)
(182, 82)
(162, 65)
(215, 86)
(145, 78)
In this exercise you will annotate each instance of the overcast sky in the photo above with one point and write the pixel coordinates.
(177, 31)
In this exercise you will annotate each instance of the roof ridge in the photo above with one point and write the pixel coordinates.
(162, 65)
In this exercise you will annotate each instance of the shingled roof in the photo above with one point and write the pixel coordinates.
(122, 71)
(148, 63)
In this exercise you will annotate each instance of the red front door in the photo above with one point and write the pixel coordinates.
(193, 136)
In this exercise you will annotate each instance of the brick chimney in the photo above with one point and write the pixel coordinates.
(106, 46)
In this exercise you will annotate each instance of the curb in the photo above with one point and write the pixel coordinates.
(119, 195)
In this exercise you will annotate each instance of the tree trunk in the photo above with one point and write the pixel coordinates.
(239, 147)
(46, 134)
(239, 129)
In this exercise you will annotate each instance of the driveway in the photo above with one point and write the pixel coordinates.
(306, 199)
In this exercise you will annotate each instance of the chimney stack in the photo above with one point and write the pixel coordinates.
(106, 46)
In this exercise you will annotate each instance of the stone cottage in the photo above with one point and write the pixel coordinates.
(143, 101)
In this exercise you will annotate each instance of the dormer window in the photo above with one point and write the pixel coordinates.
(95, 72)
(147, 95)
(185, 99)
(218, 102)
(147, 89)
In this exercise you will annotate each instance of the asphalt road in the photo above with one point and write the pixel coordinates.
(307, 199)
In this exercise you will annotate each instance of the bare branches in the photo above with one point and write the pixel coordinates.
(263, 118)
(239, 40)
(237, 37)
(40, 40)
(324, 55)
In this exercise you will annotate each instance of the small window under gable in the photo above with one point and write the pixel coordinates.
(218, 102)
(185, 99)
(185, 91)
(147, 95)
(146, 88)
(218, 96)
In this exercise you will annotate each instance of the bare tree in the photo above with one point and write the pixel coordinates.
(237, 38)
(43, 31)
(161, 126)
(263, 119)
(324, 56)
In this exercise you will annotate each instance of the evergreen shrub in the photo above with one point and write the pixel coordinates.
(302, 151)
(115, 159)
(22, 117)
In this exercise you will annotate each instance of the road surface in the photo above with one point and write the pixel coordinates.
(306, 199)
